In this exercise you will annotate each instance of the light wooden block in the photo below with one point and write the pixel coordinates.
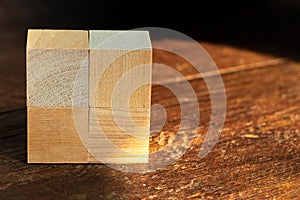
(112, 55)
(53, 136)
(57, 68)
(123, 141)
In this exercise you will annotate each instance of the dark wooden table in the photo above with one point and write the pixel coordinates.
(257, 155)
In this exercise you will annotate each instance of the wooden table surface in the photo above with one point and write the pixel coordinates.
(257, 155)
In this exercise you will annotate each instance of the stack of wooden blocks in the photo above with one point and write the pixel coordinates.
(72, 100)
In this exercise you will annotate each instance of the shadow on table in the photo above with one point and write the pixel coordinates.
(36, 181)
(13, 135)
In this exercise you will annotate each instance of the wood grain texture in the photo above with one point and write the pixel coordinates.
(57, 39)
(120, 64)
(261, 102)
(109, 62)
(119, 40)
(256, 157)
(57, 68)
(124, 139)
(53, 136)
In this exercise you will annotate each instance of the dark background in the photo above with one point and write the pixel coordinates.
(265, 25)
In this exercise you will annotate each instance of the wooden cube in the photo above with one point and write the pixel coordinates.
(55, 60)
(125, 142)
(53, 136)
(113, 54)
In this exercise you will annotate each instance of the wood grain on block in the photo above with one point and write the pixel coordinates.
(53, 136)
(118, 138)
(57, 68)
(57, 39)
(115, 55)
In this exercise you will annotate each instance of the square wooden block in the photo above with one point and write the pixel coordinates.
(57, 68)
(53, 135)
(124, 58)
(119, 135)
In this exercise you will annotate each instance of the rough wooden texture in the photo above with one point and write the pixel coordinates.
(56, 60)
(256, 157)
(53, 136)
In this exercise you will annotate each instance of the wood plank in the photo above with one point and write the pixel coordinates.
(224, 56)
(266, 166)
(53, 136)
(57, 68)
(257, 149)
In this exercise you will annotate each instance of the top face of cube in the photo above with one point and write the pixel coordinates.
(57, 39)
(119, 40)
